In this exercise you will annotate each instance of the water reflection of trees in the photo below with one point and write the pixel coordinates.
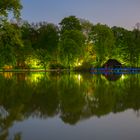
(72, 97)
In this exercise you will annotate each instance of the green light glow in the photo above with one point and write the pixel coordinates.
(33, 63)
(35, 77)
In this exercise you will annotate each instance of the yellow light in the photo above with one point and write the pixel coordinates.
(35, 78)
(79, 77)
(33, 62)
(8, 75)
(79, 63)
(122, 77)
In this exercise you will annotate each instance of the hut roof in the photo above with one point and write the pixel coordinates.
(112, 63)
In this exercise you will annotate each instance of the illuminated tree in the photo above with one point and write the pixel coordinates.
(103, 39)
(71, 46)
(71, 40)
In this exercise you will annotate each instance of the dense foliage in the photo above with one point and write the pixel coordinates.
(7, 6)
(74, 43)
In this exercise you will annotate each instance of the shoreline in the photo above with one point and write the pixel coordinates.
(92, 70)
(34, 70)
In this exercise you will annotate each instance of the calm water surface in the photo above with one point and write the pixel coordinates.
(51, 106)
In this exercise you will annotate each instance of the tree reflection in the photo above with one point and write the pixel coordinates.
(112, 76)
(72, 98)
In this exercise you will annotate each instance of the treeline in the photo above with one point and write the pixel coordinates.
(74, 43)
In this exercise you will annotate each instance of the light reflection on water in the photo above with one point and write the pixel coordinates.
(69, 106)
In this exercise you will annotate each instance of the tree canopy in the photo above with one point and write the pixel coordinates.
(70, 23)
(74, 43)
(7, 6)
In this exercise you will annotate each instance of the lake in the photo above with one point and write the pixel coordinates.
(69, 106)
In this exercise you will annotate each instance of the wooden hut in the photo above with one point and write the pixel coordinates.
(112, 63)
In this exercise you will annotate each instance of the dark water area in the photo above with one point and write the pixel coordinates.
(70, 106)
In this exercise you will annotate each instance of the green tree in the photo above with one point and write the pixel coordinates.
(48, 38)
(10, 38)
(89, 51)
(130, 49)
(127, 46)
(136, 37)
(70, 23)
(7, 6)
(10, 35)
(71, 40)
(120, 50)
(25, 52)
(103, 39)
(71, 46)
(43, 56)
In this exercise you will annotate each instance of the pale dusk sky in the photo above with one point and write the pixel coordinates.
(124, 13)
